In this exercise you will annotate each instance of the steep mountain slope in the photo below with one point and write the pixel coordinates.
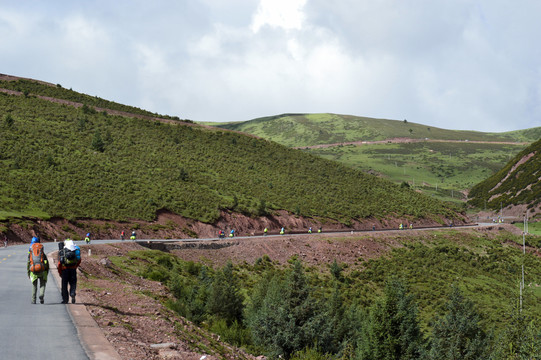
(57, 160)
(518, 183)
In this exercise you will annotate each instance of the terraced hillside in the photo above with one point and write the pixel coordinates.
(60, 160)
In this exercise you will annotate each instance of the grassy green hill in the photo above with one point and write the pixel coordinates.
(301, 130)
(38, 88)
(444, 170)
(60, 161)
(443, 163)
(515, 184)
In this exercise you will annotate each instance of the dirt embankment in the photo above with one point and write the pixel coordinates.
(172, 226)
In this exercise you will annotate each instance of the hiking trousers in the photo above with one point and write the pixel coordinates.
(42, 283)
(69, 277)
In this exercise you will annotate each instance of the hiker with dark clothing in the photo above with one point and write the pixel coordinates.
(68, 261)
(37, 268)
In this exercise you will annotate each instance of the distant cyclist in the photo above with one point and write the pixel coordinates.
(132, 237)
(122, 235)
(87, 238)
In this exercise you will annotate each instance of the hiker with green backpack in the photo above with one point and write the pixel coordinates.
(37, 267)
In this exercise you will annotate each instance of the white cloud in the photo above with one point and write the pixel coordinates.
(285, 14)
(451, 63)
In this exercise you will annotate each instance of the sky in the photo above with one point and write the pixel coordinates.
(454, 64)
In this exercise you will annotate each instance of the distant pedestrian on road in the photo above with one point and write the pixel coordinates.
(37, 268)
(68, 261)
(265, 231)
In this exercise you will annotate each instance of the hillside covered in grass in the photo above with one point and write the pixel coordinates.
(518, 183)
(57, 160)
(439, 162)
(300, 130)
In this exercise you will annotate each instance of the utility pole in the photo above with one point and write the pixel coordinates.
(523, 258)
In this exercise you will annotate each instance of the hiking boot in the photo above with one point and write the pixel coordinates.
(41, 300)
(73, 299)
(33, 301)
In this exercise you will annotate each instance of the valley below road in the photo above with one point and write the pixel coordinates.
(130, 310)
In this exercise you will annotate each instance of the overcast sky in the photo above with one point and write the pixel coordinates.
(456, 64)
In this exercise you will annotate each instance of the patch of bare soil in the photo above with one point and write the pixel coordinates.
(314, 250)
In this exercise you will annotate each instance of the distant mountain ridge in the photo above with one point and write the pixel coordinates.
(299, 130)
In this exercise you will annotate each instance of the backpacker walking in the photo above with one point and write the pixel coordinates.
(69, 258)
(37, 268)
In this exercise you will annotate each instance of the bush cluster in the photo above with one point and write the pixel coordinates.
(296, 312)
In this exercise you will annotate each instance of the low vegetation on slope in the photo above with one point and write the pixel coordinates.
(517, 183)
(60, 161)
(436, 286)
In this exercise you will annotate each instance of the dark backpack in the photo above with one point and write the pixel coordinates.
(37, 259)
(67, 256)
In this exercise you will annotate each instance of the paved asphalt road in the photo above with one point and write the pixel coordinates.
(29, 331)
